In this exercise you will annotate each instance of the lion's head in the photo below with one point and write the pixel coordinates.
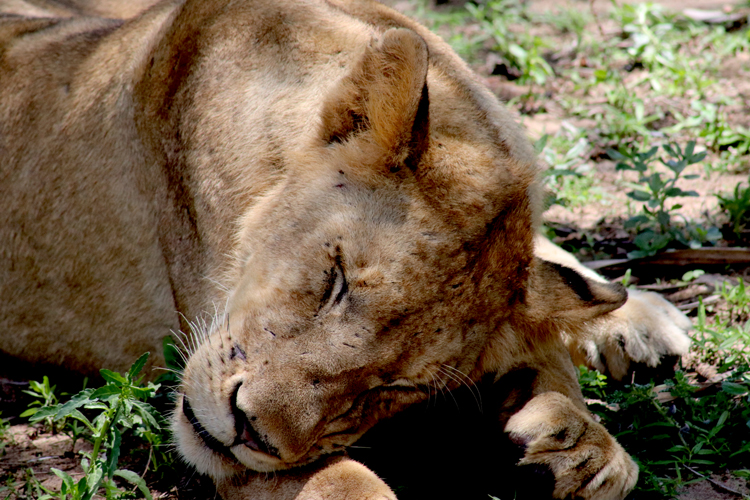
(393, 261)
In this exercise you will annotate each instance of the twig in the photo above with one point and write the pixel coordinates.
(148, 462)
(712, 299)
(716, 483)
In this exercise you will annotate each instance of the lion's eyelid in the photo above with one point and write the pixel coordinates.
(337, 286)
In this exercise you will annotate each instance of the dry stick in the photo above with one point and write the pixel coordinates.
(716, 483)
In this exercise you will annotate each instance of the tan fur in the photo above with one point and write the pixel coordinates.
(329, 190)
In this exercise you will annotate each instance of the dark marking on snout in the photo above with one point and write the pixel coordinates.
(237, 352)
(621, 343)
(269, 331)
(562, 435)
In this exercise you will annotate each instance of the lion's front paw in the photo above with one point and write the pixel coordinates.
(645, 330)
(345, 480)
(585, 459)
(334, 478)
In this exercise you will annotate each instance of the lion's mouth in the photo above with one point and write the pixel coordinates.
(341, 430)
(245, 433)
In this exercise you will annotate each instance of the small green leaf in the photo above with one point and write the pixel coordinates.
(135, 480)
(113, 377)
(651, 152)
(29, 412)
(94, 480)
(722, 419)
(639, 195)
(689, 149)
(698, 158)
(45, 412)
(635, 221)
(66, 478)
(734, 389)
(615, 155)
(137, 366)
(691, 275)
(110, 465)
(105, 392)
(76, 401)
(663, 218)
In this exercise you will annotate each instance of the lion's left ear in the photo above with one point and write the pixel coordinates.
(560, 294)
(384, 99)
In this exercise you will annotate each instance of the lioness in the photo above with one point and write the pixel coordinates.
(329, 184)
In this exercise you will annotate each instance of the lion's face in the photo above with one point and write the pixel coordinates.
(358, 294)
(397, 248)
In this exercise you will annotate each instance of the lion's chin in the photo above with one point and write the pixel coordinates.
(260, 462)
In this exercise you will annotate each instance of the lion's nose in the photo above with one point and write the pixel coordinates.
(246, 433)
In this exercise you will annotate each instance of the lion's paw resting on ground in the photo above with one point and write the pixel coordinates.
(645, 330)
(585, 459)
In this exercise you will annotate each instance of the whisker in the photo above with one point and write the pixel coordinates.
(471, 385)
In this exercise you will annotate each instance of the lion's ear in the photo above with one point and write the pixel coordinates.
(560, 294)
(384, 97)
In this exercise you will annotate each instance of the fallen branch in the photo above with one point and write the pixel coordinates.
(686, 257)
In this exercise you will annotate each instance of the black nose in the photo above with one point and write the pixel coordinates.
(246, 434)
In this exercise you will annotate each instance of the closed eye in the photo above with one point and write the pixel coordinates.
(337, 286)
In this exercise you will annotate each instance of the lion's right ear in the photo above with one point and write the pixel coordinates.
(384, 98)
(561, 295)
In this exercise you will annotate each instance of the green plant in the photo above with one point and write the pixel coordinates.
(567, 177)
(118, 406)
(737, 206)
(710, 122)
(593, 383)
(45, 396)
(721, 342)
(737, 299)
(521, 50)
(656, 192)
(672, 441)
(5, 436)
